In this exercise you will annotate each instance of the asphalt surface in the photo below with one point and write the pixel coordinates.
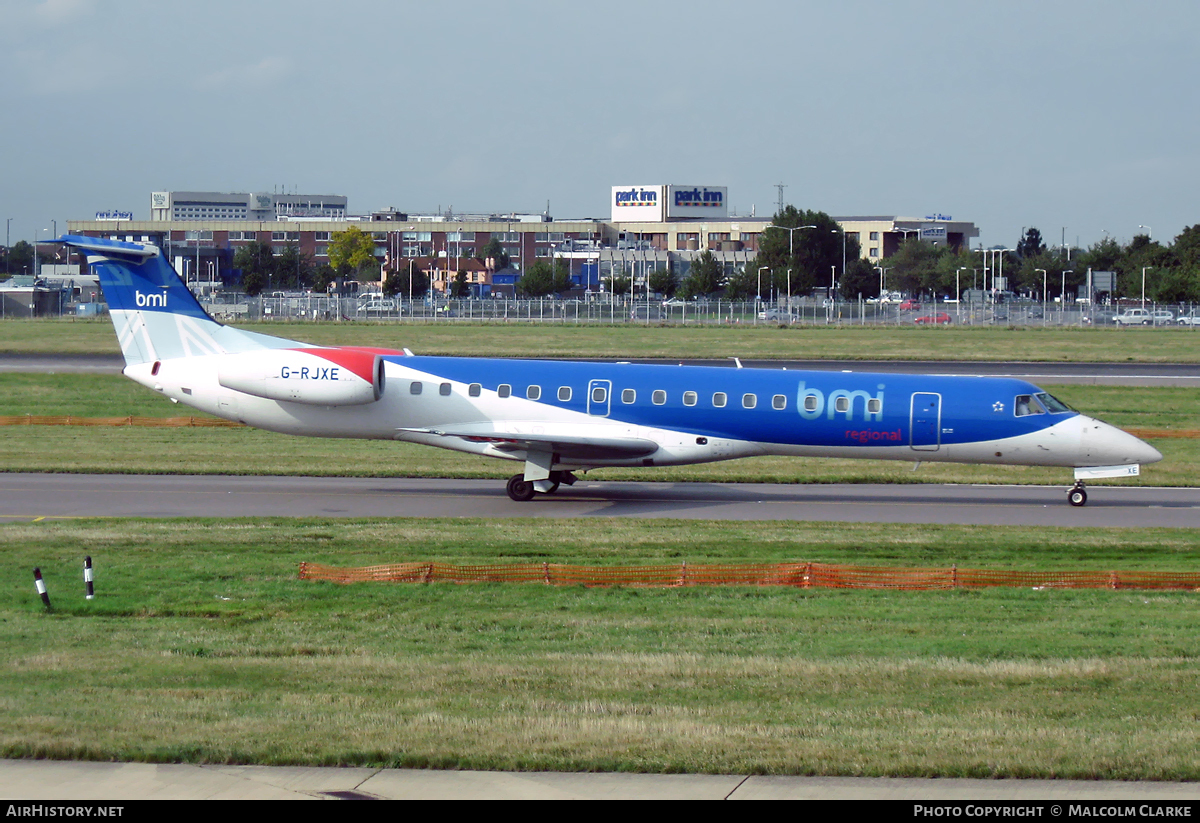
(38, 496)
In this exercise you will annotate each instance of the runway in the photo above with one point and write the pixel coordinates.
(47, 496)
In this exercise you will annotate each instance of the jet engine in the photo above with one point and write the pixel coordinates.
(317, 377)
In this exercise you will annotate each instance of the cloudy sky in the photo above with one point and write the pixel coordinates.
(1076, 116)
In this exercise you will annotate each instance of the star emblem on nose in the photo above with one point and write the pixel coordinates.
(997, 406)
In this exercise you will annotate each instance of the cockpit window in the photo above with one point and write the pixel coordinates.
(1025, 404)
(1053, 404)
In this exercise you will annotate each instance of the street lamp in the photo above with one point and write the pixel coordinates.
(758, 294)
(791, 251)
(1149, 234)
(1144, 270)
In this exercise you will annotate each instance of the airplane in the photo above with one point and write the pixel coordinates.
(562, 417)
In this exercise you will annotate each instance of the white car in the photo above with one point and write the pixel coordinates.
(1192, 319)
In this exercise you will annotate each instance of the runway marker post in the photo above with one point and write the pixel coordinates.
(87, 577)
(41, 586)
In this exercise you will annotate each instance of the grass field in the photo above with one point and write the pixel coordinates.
(1101, 345)
(202, 646)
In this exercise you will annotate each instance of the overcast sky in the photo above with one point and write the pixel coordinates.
(1076, 115)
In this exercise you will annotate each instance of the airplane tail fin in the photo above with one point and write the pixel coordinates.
(155, 314)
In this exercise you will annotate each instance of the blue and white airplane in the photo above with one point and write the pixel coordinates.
(558, 417)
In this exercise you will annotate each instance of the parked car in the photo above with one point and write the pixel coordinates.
(910, 305)
(1135, 317)
(936, 319)
(1192, 319)
(778, 316)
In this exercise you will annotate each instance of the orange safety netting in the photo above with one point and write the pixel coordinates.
(802, 575)
(129, 420)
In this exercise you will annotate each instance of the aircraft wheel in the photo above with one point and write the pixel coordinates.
(520, 489)
(1076, 497)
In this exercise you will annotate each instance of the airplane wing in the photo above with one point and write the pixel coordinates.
(568, 447)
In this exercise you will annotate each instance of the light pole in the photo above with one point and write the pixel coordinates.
(791, 252)
(758, 294)
(8, 247)
(1149, 234)
(1062, 298)
(1144, 270)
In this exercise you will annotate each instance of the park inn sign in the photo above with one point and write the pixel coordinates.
(654, 204)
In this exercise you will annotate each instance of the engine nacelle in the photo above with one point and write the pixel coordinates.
(317, 377)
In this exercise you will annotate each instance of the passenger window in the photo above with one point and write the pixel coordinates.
(749, 401)
(1025, 405)
(842, 404)
(628, 396)
(719, 400)
(779, 402)
(658, 397)
(414, 388)
(689, 398)
(810, 402)
(874, 405)
(599, 394)
(564, 393)
(474, 389)
(533, 392)
(503, 390)
(444, 390)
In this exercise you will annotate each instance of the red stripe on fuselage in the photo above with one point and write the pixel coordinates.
(359, 360)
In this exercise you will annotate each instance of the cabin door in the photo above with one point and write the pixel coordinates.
(599, 397)
(925, 422)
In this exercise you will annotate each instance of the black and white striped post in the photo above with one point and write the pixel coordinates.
(87, 577)
(41, 586)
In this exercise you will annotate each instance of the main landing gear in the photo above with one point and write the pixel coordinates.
(1076, 495)
(522, 490)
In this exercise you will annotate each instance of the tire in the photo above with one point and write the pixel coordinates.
(520, 489)
(1077, 497)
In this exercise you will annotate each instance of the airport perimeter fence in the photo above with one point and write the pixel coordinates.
(798, 575)
(607, 310)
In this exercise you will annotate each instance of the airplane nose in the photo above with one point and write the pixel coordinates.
(1103, 445)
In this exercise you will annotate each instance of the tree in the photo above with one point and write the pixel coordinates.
(397, 282)
(619, 282)
(807, 252)
(495, 250)
(859, 279)
(461, 287)
(664, 281)
(704, 277)
(20, 258)
(538, 281)
(257, 263)
(742, 284)
(293, 269)
(1031, 244)
(350, 251)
